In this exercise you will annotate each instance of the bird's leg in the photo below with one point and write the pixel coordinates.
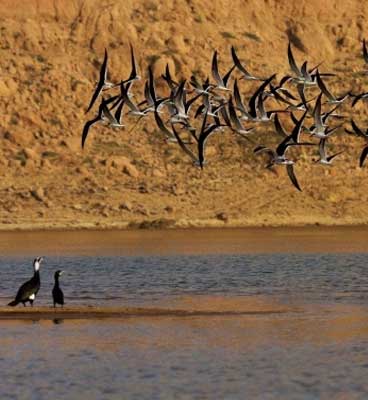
(31, 303)
(24, 304)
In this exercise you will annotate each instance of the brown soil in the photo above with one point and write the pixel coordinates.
(51, 52)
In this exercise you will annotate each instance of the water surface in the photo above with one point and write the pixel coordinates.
(117, 280)
(315, 349)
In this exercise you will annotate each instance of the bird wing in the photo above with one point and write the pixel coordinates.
(297, 128)
(167, 77)
(191, 101)
(321, 149)
(314, 68)
(285, 92)
(147, 97)
(292, 62)
(194, 82)
(328, 114)
(106, 112)
(199, 110)
(162, 126)
(304, 71)
(290, 172)
(125, 96)
(359, 97)
(330, 158)
(87, 125)
(356, 129)
(100, 84)
(260, 106)
(253, 99)
(183, 146)
(237, 98)
(233, 117)
(317, 113)
(264, 149)
(365, 52)
(26, 290)
(133, 74)
(284, 80)
(225, 117)
(152, 89)
(179, 99)
(293, 118)
(237, 62)
(215, 71)
(363, 156)
(323, 88)
(300, 88)
(279, 128)
(278, 96)
(227, 75)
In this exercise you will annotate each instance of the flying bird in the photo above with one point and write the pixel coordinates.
(332, 99)
(278, 157)
(323, 158)
(102, 114)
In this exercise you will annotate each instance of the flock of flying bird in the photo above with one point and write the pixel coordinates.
(218, 105)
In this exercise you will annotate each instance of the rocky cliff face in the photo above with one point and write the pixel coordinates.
(50, 56)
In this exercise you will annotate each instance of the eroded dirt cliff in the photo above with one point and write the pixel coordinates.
(50, 56)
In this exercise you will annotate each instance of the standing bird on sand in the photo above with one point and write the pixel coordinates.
(57, 293)
(29, 289)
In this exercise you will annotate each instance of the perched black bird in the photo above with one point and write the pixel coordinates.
(57, 293)
(29, 289)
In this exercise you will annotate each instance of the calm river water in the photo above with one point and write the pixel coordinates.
(316, 348)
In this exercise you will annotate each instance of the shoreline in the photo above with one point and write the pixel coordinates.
(188, 241)
(167, 224)
(248, 308)
(48, 313)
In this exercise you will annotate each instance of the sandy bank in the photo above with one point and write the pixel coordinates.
(47, 313)
(185, 241)
(185, 306)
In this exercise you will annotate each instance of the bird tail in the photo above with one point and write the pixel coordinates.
(13, 303)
